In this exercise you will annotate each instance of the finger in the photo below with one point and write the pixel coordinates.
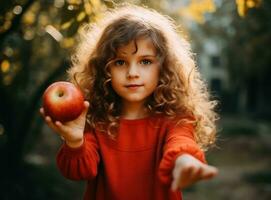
(209, 176)
(209, 172)
(182, 178)
(175, 183)
(59, 125)
(84, 112)
(176, 177)
(188, 176)
(50, 123)
(196, 174)
(62, 129)
(86, 105)
(62, 138)
(42, 112)
(48, 120)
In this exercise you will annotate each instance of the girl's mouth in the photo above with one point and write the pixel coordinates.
(133, 86)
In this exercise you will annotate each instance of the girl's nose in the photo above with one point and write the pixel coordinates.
(132, 71)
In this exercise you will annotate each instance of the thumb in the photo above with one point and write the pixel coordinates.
(85, 111)
(82, 116)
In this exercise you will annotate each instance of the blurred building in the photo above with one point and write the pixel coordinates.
(208, 44)
(213, 65)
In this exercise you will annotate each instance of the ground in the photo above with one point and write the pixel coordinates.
(243, 158)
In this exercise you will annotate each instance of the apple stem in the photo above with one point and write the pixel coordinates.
(61, 93)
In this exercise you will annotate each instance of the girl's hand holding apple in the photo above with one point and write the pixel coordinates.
(65, 110)
(71, 131)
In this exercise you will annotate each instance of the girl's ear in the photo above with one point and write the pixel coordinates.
(108, 66)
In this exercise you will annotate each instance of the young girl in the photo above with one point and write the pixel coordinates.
(147, 119)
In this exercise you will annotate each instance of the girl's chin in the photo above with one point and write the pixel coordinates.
(133, 100)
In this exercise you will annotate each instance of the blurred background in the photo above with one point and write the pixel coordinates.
(231, 40)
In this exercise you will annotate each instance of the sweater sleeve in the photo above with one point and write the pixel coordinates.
(179, 140)
(79, 163)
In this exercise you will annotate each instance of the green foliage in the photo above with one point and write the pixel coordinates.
(249, 57)
(35, 39)
(247, 49)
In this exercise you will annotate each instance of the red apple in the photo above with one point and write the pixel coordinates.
(63, 101)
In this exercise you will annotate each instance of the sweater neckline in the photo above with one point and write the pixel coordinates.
(138, 120)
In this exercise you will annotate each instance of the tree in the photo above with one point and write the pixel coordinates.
(249, 57)
(35, 40)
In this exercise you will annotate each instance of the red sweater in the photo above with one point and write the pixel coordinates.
(137, 165)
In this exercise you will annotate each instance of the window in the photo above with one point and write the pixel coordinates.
(216, 86)
(215, 61)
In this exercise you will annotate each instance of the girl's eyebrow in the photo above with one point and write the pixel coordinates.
(123, 52)
(141, 56)
(147, 55)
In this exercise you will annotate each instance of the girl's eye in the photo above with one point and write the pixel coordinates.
(146, 62)
(119, 62)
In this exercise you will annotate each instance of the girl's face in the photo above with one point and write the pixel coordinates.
(135, 71)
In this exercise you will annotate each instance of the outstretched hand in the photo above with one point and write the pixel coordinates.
(71, 131)
(188, 170)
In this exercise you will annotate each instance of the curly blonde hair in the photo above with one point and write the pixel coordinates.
(180, 91)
